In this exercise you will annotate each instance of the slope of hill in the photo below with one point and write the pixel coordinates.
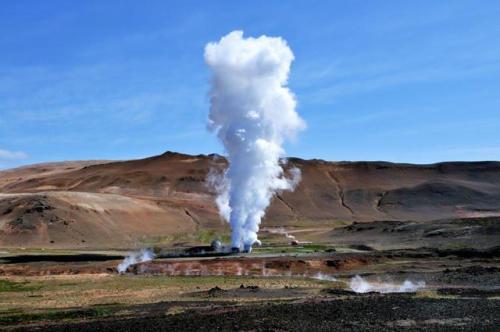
(115, 204)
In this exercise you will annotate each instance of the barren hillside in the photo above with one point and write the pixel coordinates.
(116, 204)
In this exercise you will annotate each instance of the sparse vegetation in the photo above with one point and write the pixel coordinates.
(20, 318)
(199, 237)
(11, 286)
(305, 248)
(67, 299)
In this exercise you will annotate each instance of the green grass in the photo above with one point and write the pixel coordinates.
(199, 237)
(126, 283)
(304, 248)
(11, 286)
(50, 299)
(54, 251)
(205, 236)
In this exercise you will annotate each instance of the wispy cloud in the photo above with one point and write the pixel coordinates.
(89, 92)
(12, 155)
(390, 78)
(437, 58)
(416, 128)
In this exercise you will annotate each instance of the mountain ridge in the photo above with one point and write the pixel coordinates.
(120, 202)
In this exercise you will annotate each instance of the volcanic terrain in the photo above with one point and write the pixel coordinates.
(331, 250)
(122, 204)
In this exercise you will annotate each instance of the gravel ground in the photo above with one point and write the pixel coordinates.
(368, 312)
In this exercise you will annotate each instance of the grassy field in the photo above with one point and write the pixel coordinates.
(75, 290)
(27, 299)
(69, 293)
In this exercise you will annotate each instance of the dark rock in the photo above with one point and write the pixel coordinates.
(361, 247)
(216, 291)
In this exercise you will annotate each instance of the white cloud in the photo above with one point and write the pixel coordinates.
(12, 155)
(390, 78)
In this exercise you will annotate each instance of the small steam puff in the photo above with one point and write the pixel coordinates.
(253, 113)
(145, 255)
(282, 231)
(360, 285)
(324, 276)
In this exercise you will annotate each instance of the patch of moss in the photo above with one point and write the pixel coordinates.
(11, 286)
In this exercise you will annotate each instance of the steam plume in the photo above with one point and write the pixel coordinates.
(253, 113)
(360, 285)
(323, 276)
(145, 255)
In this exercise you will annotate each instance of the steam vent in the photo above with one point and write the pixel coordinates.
(328, 166)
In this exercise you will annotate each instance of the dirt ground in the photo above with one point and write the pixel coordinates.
(309, 288)
(372, 312)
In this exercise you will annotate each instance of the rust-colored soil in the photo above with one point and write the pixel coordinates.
(123, 204)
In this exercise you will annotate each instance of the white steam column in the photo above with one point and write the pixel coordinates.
(253, 113)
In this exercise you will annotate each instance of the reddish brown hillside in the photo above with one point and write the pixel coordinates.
(120, 202)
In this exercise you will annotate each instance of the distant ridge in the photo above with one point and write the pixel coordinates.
(86, 203)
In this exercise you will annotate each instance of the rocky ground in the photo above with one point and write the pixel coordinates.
(308, 289)
(371, 312)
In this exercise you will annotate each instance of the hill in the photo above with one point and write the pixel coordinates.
(95, 204)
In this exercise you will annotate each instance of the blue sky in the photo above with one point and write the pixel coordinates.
(403, 81)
